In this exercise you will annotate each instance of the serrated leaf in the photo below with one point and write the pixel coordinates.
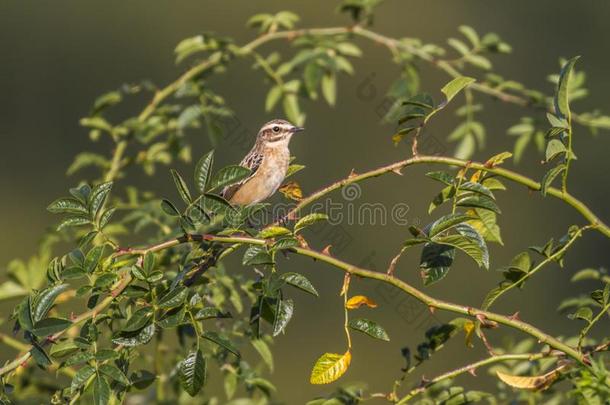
(478, 201)
(139, 320)
(273, 232)
(330, 367)
(142, 337)
(370, 328)
(456, 85)
(101, 391)
(528, 383)
(562, 102)
(63, 349)
(471, 233)
(45, 299)
(549, 176)
(67, 206)
(98, 196)
(291, 190)
(308, 220)
(283, 315)
(173, 298)
(228, 175)
(445, 223)
(181, 186)
(192, 372)
(435, 262)
(554, 148)
(256, 255)
(81, 377)
(50, 326)
(93, 258)
(299, 281)
(359, 300)
(485, 223)
(169, 208)
(203, 171)
(114, 373)
(221, 341)
(209, 313)
(72, 221)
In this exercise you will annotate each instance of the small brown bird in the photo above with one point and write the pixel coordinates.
(268, 160)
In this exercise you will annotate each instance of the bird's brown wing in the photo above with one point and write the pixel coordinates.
(252, 161)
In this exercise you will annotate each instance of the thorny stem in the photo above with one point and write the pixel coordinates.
(593, 220)
(555, 256)
(469, 369)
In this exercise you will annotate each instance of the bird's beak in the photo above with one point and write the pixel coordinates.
(297, 129)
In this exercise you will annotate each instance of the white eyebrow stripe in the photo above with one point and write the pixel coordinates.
(282, 126)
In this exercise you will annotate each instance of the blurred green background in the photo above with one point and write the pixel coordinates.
(56, 57)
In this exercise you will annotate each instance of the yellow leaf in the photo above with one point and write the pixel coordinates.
(469, 330)
(359, 300)
(497, 159)
(329, 367)
(292, 191)
(535, 383)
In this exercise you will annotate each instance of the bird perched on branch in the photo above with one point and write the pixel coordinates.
(268, 160)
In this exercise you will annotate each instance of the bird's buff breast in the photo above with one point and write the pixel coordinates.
(267, 179)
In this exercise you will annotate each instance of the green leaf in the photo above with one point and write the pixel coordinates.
(173, 298)
(142, 337)
(211, 312)
(203, 171)
(562, 102)
(192, 372)
(139, 320)
(299, 281)
(169, 208)
(272, 232)
(329, 88)
(443, 177)
(549, 176)
(50, 326)
(98, 196)
(554, 148)
(478, 201)
(114, 373)
(228, 175)
(435, 262)
(471, 247)
(284, 312)
(309, 220)
(370, 328)
(45, 299)
(183, 190)
(93, 258)
(81, 377)
(101, 391)
(63, 349)
(149, 262)
(256, 255)
(72, 221)
(273, 96)
(456, 85)
(78, 358)
(583, 313)
(67, 206)
(446, 222)
(263, 350)
(472, 234)
(40, 356)
(221, 341)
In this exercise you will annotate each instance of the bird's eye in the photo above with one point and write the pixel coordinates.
(276, 129)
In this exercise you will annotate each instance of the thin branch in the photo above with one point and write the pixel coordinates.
(593, 220)
(469, 369)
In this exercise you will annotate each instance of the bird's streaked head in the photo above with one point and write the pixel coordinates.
(276, 132)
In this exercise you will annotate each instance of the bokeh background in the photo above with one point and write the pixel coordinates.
(56, 57)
